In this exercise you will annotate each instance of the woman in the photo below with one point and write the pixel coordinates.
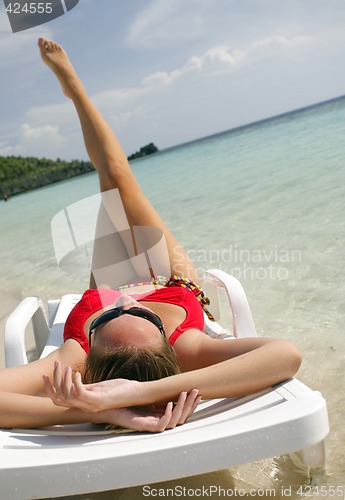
(159, 326)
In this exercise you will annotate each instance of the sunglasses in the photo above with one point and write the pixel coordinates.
(116, 312)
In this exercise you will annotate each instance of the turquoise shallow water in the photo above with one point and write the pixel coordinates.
(264, 202)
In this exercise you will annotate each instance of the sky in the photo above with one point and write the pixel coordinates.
(169, 71)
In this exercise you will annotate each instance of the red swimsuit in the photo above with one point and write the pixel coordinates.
(95, 300)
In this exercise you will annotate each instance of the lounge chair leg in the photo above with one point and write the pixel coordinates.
(313, 461)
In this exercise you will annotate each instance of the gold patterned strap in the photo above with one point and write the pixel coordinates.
(197, 290)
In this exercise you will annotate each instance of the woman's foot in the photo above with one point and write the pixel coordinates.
(57, 60)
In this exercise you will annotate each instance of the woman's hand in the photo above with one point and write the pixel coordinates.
(150, 419)
(105, 400)
(91, 398)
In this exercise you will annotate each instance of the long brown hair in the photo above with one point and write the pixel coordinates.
(131, 363)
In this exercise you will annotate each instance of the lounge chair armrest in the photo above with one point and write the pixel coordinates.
(243, 323)
(31, 308)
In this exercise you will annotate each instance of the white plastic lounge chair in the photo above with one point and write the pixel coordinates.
(70, 460)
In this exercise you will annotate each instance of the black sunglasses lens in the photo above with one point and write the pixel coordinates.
(134, 311)
(106, 316)
(118, 311)
(144, 313)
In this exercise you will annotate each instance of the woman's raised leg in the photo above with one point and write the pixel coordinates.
(109, 159)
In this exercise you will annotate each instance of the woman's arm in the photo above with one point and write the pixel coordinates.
(28, 379)
(22, 405)
(244, 366)
(23, 411)
(232, 368)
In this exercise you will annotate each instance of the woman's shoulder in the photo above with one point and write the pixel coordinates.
(71, 353)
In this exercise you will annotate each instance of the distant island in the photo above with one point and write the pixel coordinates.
(19, 174)
(144, 151)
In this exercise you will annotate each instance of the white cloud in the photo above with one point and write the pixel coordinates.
(281, 41)
(220, 59)
(163, 77)
(54, 131)
(8, 150)
(41, 141)
(193, 64)
(29, 133)
(47, 139)
(48, 129)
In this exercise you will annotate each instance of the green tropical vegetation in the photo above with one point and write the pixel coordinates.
(19, 174)
(149, 149)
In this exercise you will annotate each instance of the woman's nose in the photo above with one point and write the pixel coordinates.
(125, 301)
